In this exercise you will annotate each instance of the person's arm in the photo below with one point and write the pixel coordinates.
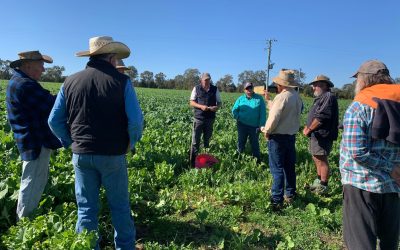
(193, 103)
(134, 114)
(235, 109)
(313, 126)
(274, 114)
(218, 104)
(355, 139)
(58, 120)
(263, 113)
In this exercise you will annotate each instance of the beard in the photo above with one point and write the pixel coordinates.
(358, 88)
(317, 93)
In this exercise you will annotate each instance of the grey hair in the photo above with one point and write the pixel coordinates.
(382, 77)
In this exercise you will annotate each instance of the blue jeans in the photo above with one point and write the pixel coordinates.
(282, 160)
(245, 131)
(33, 181)
(93, 171)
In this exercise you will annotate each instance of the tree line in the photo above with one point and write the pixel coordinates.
(189, 79)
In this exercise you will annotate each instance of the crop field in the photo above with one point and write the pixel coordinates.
(176, 207)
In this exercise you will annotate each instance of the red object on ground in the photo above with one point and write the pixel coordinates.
(205, 161)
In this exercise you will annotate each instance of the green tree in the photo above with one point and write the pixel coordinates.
(132, 73)
(191, 78)
(5, 70)
(159, 79)
(224, 83)
(258, 78)
(146, 79)
(53, 74)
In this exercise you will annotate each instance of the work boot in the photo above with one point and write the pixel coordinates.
(321, 189)
(315, 184)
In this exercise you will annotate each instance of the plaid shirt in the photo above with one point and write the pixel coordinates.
(366, 163)
(28, 107)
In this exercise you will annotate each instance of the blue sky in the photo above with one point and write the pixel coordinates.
(218, 36)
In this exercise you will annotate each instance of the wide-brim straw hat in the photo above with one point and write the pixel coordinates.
(121, 65)
(105, 45)
(34, 55)
(286, 78)
(323, 78)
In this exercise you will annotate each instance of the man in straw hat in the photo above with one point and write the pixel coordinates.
(280, 130)
(97, 112)
(28, 107)
(370, 161)
(206, 100)
(322, 128)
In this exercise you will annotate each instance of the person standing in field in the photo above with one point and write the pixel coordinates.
(206, 100)
(370, 161)
(97, 112)
(28, 107)
(280, 130)
(322, 128)
(250, 113)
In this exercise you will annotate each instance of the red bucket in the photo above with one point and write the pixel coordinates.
(205, 161)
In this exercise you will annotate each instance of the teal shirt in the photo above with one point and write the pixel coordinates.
(251, 111)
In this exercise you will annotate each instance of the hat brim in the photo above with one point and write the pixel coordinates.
(17, 63)
(284, 83)
(122, 67)
(330, 84)
(121, 50)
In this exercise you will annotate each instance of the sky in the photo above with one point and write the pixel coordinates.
(218, 36)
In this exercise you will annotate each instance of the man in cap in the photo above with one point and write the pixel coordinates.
(370, 161)
(97, 112)
(28, 107)
(280, 130)
(250, 113)
(206, 100)
(322, 128)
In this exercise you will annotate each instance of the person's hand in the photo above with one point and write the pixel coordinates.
(395, 174)
(213, 108)
(306, 131)
(205, 108)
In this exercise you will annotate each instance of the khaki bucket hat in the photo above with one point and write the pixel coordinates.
(286, 78)
(322, 78)
(105, 45)
(34, 55)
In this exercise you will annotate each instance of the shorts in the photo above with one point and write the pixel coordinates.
(320, 147)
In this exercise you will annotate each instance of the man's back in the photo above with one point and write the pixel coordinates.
(96, 110)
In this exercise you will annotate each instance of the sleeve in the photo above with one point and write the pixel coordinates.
(37, 99)
(218, 97)
(355, 139)
(58, 120)
(274, 114)
(325, 110)
(263, 112)
(235, 109)
(134, 114)
(193, 94)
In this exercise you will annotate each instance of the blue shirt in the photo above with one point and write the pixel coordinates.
(366, 163)
(250, 111)
(28, 107)
(58, 117)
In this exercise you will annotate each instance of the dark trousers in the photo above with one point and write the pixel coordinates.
(282, 160)
(370, 216)
(200, 127)
(245, 131)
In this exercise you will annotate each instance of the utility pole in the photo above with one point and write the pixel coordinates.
(270, 65)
